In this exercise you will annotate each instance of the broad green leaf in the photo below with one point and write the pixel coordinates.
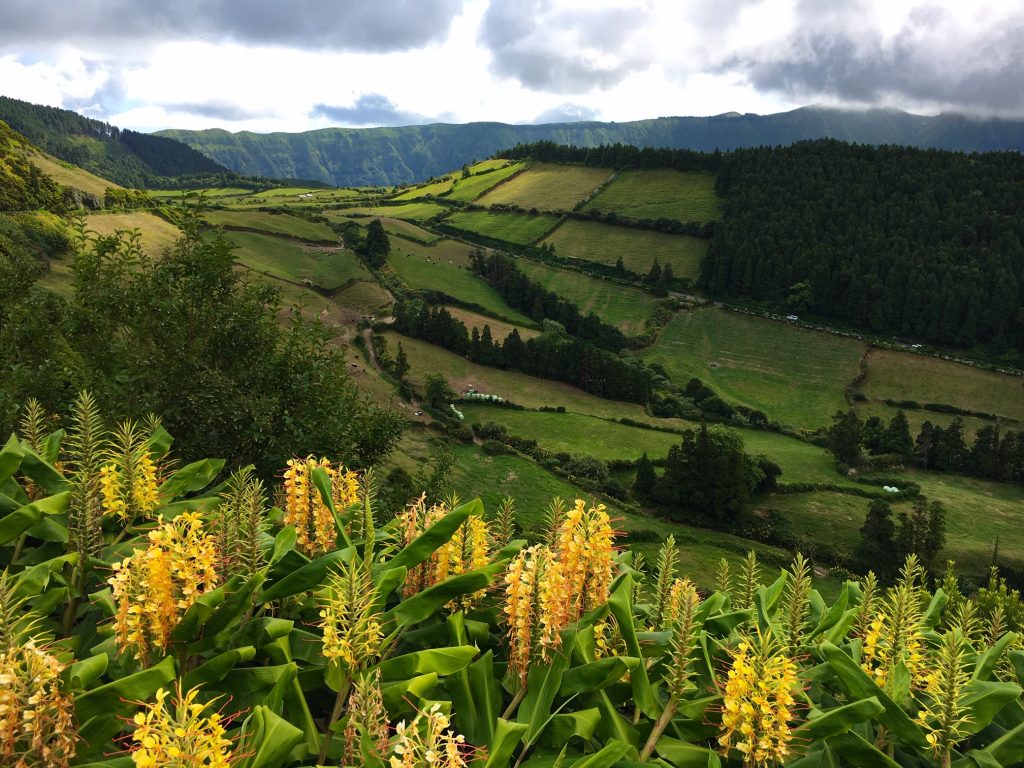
(211, 672)
(284, 542)
(621, 605)
(825, 725)
(566, 725)
(266, 740)
(238, 597)
(685, 755)
(422, 605)
(834, 614)
(10, 458)
(507, 736)
(476, 699)
(159, 442)
(542, 684)
(20, 520)
(985, 665)
(84, 673)
(442, 661)
(403, 695)
(42, 472)
(588, 678)
(858, 752)
(310, 576)
(605, 757)
(421, 548)
(1006, 749)
(191, 478)
(933, 613)
(983, 700)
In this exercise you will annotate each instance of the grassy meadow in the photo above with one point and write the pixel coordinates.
(418, 212)
(432, 189)
(660, 193)
(469, 189)
(623, 306)
(71, 175)
(794, 375)
(324, 268)
(273, 223)
(499, 328)
(638, 248)
(548, 187)
(408, 230)
(157, 233)
(522, 229)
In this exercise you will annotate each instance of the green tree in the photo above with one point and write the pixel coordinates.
(645, 477)
(654, 276)
(401, 365)
(844, 437)
(377, 246)
(877, 550)
(923, 530)
(897, 438)
(437, 390)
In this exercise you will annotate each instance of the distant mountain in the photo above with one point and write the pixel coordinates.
(129, 158)
(370, 156)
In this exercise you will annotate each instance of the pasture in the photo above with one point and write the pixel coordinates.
(549, 187)
(499, 328)
(796, 376)
(157, 233)
(408, 230)
(469, 189)
(623, 306)
(418, 212)
(273, 223)
(71, 175)
(325, 268)
(638, 248)
(660, 193)
(908, 376)
(444, 267)
(522, 229)
(441, 186)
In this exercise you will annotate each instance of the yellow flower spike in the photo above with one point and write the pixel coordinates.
(352, 633)
(315, 531)
(153, 587)
(177, 733)
(944, 716)
(427, 742)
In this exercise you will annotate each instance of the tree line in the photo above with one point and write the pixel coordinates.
(926, 244)
(616, 155)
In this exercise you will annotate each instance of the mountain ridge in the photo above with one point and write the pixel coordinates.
(395, 155)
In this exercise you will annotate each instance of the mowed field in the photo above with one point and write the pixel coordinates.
(445, 267)
(499, 328)
(408, 230)
(917, 417)
(434, 188)
(549, 187)
(638, 248)
(411, 211)
(325, 268)
(74, 176)
(660, 193)
(468, 190)
(157, 233)
(907, 376)
(796, 376)
(273, 223)
(523, 229)
(623, 306)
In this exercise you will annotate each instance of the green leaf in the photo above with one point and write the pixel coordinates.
(858, 752)
(684, 755)
(985, 666)
(983, 700)
(424, 604)
(310, 576)
(284, 543)
(834, 614)
(216, 669)
(542, 684)
(191, 478)
(442, 661)
(159, 442)
(82, 674)
(621, 605)
(507, 736)
(238, 598)
(592, 677)
(402, 696)
(10, 458)
(1005, 750)
(825, 725)
(476, 699)
(42, 472)
(421, 548)
(566, 725)
(266, 740)
(605, 757)
(23, 518)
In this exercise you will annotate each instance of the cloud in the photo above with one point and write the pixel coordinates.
(547, 48)
(215, 111)
(355, 25)
(934, 58)
(567, 113)
(370, 109)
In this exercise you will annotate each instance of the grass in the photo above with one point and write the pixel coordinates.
(522, 229)
(273, 223)
(549, 187)
(468, 190)
(661, 193)
(638, 248)
(409, 211)
(408, 230)
(435, 188)
(794, 375)
(445, 267)
(325, 268)
(623, 306)
(363, 298)
(210, 193)
(499, 328)
(157, 233)
(908, 376)
(492, 164)
(72, 176)
(918, 417)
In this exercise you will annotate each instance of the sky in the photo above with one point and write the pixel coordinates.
(294, 65)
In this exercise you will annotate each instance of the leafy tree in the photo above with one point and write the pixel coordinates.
(654, 275)
(437, 390)
(897, 437)
(377, 246)
(923, 530)
(401, 364)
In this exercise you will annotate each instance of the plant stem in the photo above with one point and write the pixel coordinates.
(512, 705)
(19, 545)
(74, 597)
(659, 728)
(339, 704)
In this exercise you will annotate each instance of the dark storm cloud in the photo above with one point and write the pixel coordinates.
(547, 50)
(566, 113)
(931, 60)
(370, 109)
(379, 26)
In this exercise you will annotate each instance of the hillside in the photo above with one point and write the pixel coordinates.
(366, 156)
(127, 157)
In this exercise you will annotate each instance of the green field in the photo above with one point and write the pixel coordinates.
(408, 230)
(661, 193)
(907, 376)
(468, 190)
(435, 188)
(71, 175)
(157, 233)
(363, 297)
(638, 248)
(273, 223)
(549, 187)
(445, 267)
(491, 164)
(623, 306)
(522, 229)
(794, 375)
(499, 328)
(210, 193)
(916, 418)
(410, 211)
(325, 268)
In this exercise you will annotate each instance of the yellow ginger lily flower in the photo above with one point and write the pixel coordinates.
(179, 734)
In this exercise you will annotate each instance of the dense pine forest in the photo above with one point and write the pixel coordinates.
(920, 243)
